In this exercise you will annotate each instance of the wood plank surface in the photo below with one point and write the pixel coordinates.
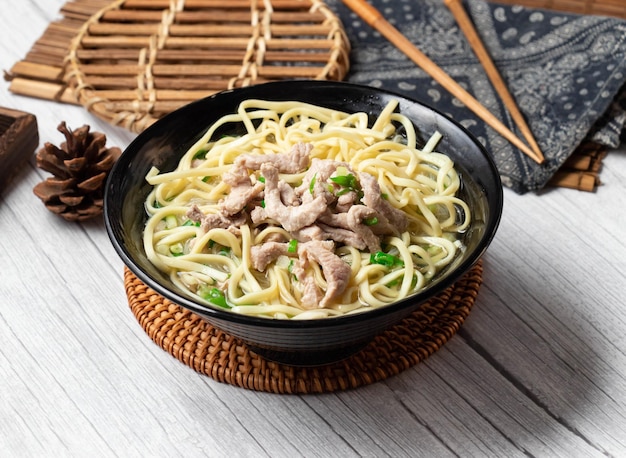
(538, 369)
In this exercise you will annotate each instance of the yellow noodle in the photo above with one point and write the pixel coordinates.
(421, 182)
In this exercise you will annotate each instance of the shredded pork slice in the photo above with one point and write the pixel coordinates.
(325, 232)
(345, 236)
(258, 215)
(287, 194)
(316, 179)
(242, 191)
(336, 272)
(311, 295)
(373, 199)
(262, 255)
(334, 219)
(296, 160)
(345, 201)
(195, 214)
(291, 218)
(356, 217)
(216, 220)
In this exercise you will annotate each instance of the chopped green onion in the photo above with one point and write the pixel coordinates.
(206, 179)
(347, 181)
(214, 295)
(290, 270)
(371, 221)
(385, 259)
(282, 262)
(171, 221)
(177, 249)
(191, 222)
(201, 154)
(312, 183)
(261, 178)
(341, 171)
(293, 246)
(384, 195)
(432, 249)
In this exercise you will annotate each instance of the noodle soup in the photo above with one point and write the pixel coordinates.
(309, 213)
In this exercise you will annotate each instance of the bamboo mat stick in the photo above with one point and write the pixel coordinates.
(468, 29)
(46, 56)
(587, 158)
(208, 71)
(581, 162)
(582, 181)
(37, 70)
(191, 70)
(37, 57)
(370, 15)
(82, 10)
(128, 98)
(43, 90)
(204, 17)
(52, 57)
(119, 41)
(197, 55)
(160, 107)
(221, 30)
(229, 5)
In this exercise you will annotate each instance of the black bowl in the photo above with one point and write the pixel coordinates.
(295, 342)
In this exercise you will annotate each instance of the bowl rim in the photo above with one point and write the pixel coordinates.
(209, 312)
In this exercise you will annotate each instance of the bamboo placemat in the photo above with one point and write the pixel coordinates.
(226, 359)
(132, 61)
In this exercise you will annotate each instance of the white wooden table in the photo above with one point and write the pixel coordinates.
(538, 369)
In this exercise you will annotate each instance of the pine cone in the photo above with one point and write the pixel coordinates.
(80, 168)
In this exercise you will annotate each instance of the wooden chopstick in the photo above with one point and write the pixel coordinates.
(477, 45)
(370, 15)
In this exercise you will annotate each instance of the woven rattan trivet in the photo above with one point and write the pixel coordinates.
(212, 352)
(132, 61)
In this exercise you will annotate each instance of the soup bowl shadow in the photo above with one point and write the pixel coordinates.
(293, 342)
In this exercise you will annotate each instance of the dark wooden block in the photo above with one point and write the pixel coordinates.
(19, 138)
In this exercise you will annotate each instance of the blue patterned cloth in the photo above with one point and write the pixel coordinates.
(567, 73)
